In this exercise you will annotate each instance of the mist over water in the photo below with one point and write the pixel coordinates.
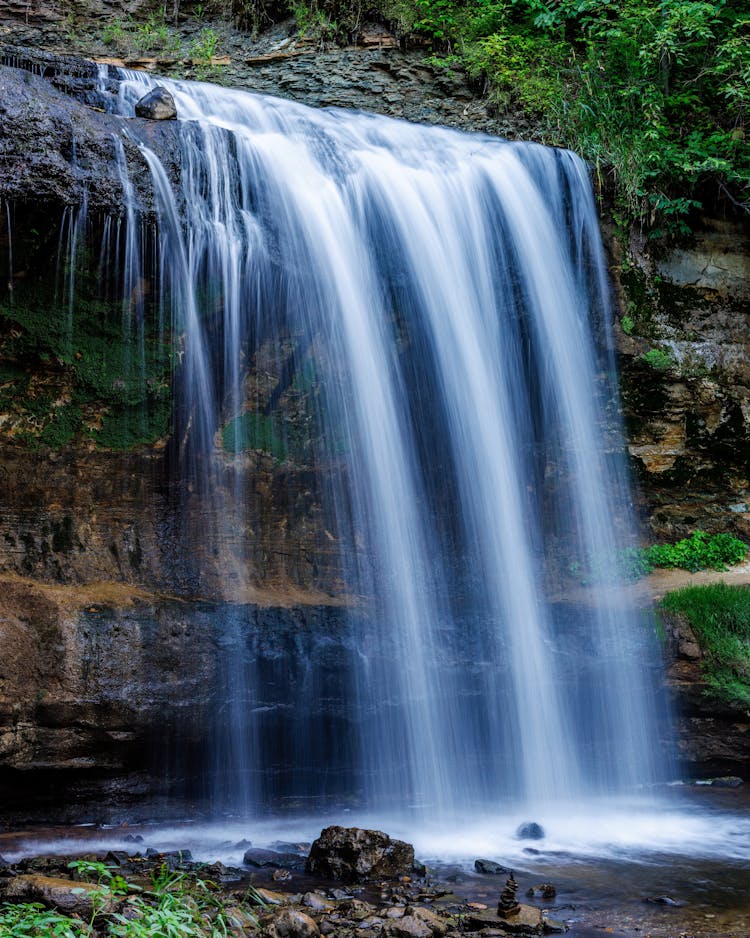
(444, 296)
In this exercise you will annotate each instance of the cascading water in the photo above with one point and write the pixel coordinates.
(447, 293)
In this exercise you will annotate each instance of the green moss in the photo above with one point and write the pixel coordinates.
(642, 302)
(256, 431)
(90, 356)
(65, 422)
(719, 615)
(127, 427)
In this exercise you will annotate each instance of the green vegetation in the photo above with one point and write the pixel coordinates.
(654, 93)
(256, 431)
(95, 371)
(151, 35)
(32, 920)
(719, 615)
(700, 551)
(658, 359)
(205, 46)
(173, 905)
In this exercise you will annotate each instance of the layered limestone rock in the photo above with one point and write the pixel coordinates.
(111, 694)
(684, 339)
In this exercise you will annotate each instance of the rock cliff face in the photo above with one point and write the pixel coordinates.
(87, 670)
(684, 339)
(713, 738)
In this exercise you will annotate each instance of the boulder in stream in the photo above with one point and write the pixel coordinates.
(490, 868)
(352, 854)
(157, 105)
(530, 830)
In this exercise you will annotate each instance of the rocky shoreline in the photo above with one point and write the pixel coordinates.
(349, 882)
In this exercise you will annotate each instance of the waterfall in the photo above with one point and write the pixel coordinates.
(441, 300)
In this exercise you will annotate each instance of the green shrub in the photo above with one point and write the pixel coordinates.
(700, 551)
(658, 359)
(719, 615)
(205, 46)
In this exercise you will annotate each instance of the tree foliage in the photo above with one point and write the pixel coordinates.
(654, 93)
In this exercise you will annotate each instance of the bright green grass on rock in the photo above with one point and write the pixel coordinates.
(719, 615)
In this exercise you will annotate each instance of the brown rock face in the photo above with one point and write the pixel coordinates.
(354, 855)
(687, 408)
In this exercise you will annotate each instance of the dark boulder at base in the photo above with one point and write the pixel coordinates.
(727, 781)
(489, 867)
(351, 854)
(530, 830)
(272, 859)
(157, 105)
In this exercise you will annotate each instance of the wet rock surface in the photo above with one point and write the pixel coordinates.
(157, 105)
(304, 907)
(88, 674)
(56, 141)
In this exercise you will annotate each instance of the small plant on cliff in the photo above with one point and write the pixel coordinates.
(658, 359)
(205, 46)
(719, 615)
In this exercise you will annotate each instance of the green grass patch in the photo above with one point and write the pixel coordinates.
(719, 615)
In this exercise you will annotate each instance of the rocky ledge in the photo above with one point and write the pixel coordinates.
(57, 143)
(712, 736)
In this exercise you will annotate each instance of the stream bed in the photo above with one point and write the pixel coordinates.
(669, 867)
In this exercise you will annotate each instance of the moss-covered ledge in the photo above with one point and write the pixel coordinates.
(707, 635)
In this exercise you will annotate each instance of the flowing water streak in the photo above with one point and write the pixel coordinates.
(453, 283)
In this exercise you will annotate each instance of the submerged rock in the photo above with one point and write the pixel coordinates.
(727, 781)
(530, 830)
(352, 854)
(157, 105)
(490, 868)
(262, 859)
(545, 890)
